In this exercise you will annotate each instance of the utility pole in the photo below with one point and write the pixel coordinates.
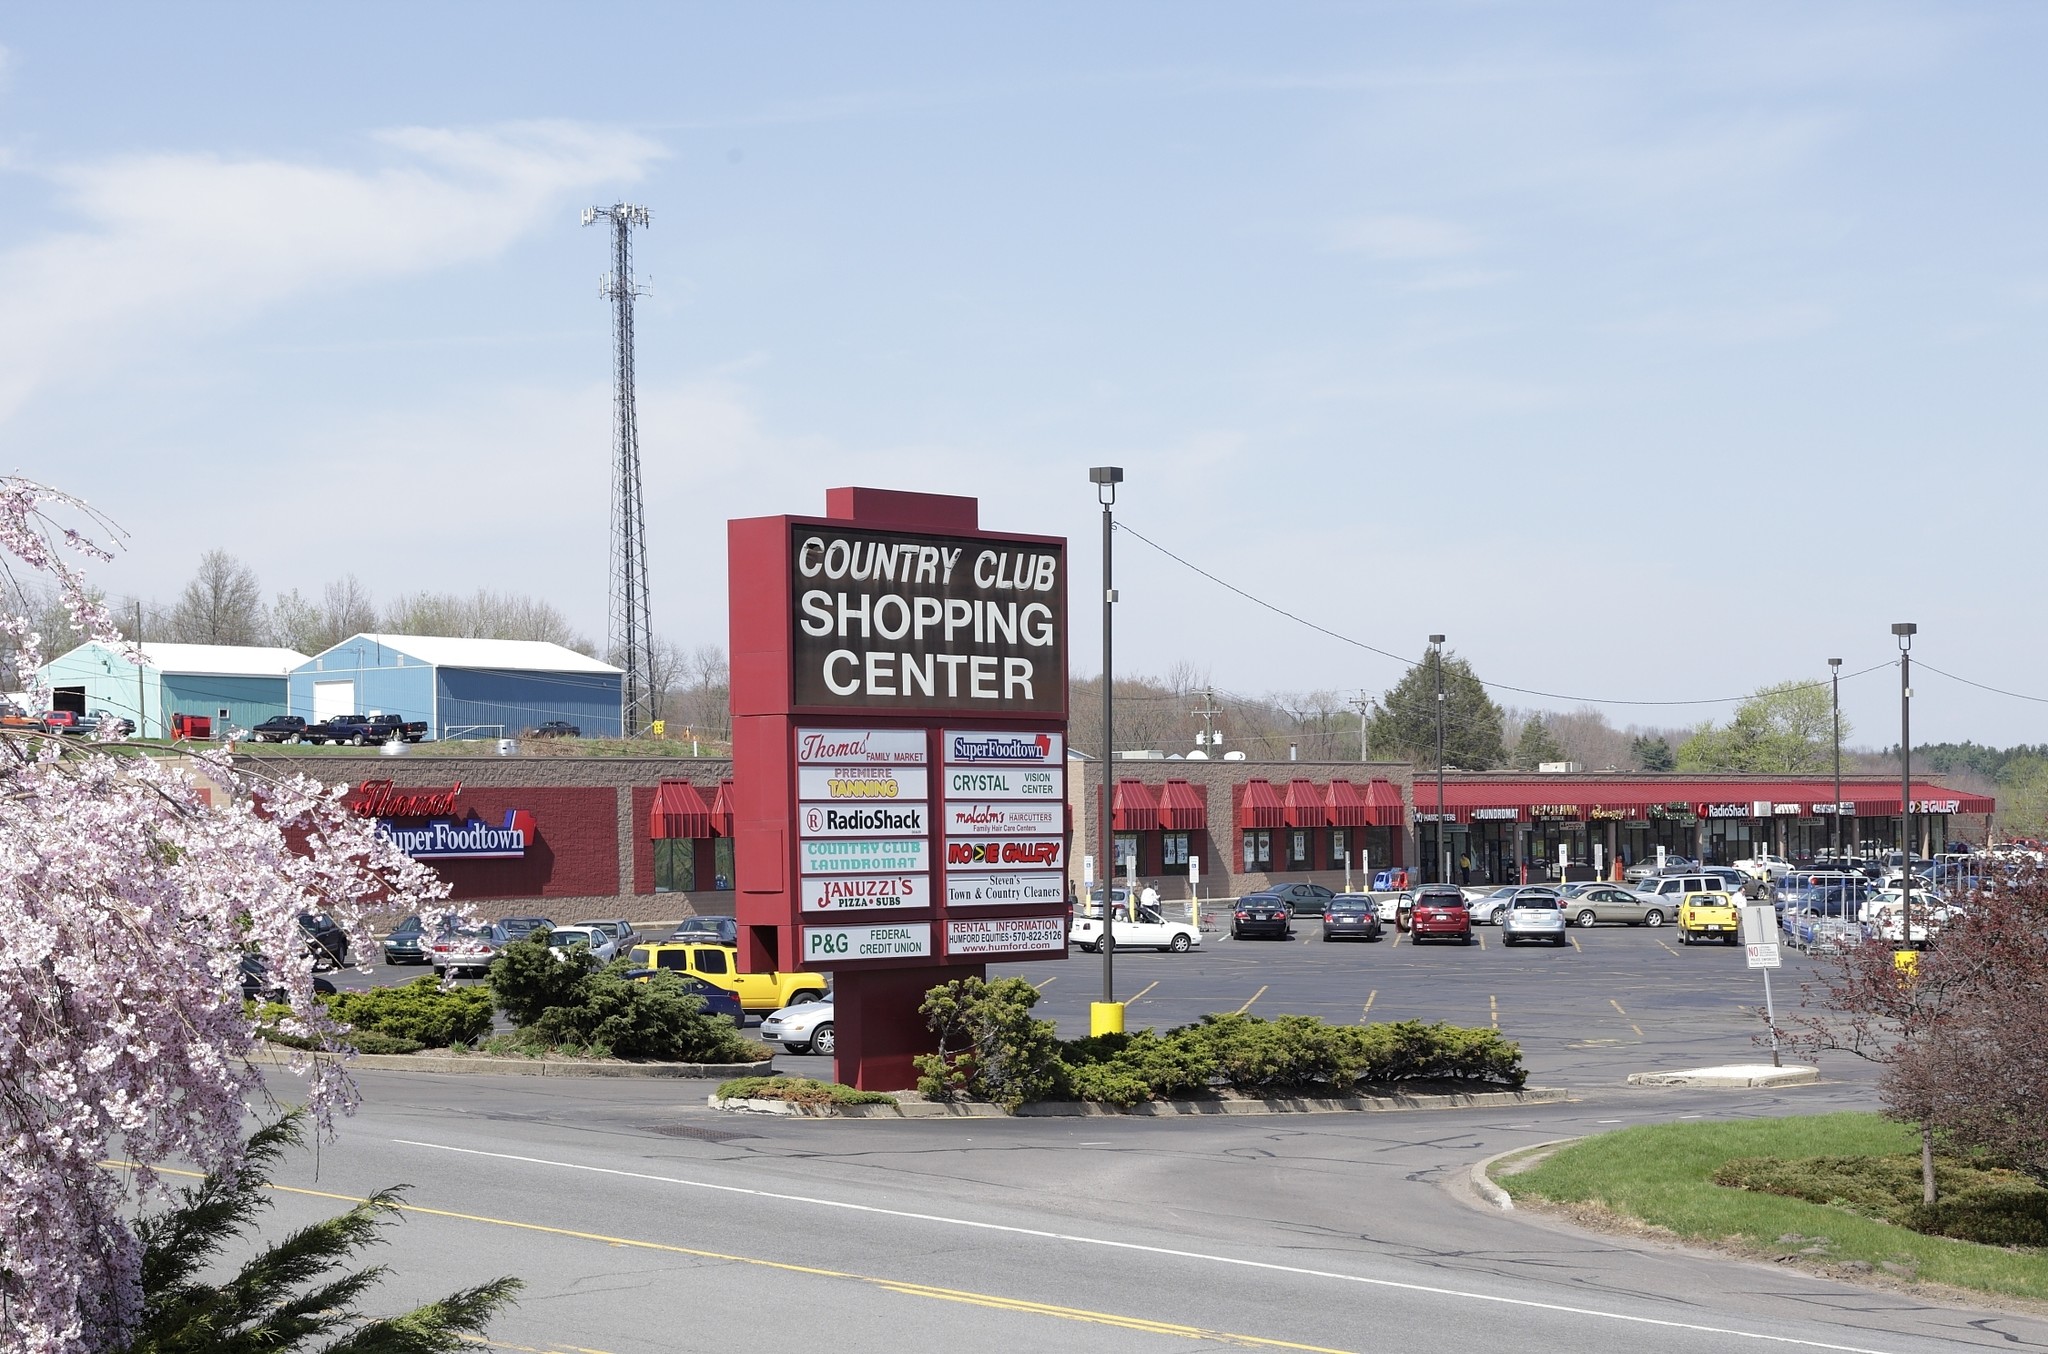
(1835, 832)
(1208, 738)
(1905, 631)
(141, 688)
(630, 630)
(1362, 703)
(1107, 1016)
(1436, 649)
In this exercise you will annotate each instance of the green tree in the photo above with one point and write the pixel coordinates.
(1787, 727)
(1537, 745)
(2022, 797)
(1652, 754)
(1403, 728)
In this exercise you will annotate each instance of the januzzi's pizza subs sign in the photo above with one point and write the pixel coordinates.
(892, 620)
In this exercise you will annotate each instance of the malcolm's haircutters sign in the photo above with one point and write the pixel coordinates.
(890, 620)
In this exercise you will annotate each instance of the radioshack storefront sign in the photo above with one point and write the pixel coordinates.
(828, 945)
(888, 620)
(446, 839)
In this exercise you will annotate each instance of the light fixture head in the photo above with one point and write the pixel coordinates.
(1106, 474)
(1436, 639)
(1905, 628)
(1834, 662)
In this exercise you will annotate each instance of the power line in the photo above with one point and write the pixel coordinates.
(1994, 690)
(1496, 686)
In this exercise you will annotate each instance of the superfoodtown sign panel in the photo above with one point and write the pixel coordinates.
(886, 620)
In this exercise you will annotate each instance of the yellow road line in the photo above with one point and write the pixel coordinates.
(1370, 997)
(1660, 942)
(1048, 982)
(1617, 1007)
(1639, 1031)
(482, 1343)
(1482, 938)
(904, 1287)
(1398, 933)
(1493, 1009)
(1142, 991)
(1575, 945)
(1254, 997)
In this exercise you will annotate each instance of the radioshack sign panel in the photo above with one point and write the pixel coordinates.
(893, 621)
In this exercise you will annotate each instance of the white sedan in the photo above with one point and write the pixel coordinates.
(804, 1028)
(1148, 931)
(602, 947)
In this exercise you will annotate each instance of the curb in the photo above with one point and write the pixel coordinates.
(485, 1065)
(1152, 1109)
(1482, 1181)
(1730, 1078)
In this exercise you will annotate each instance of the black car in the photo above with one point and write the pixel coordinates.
(555, 728)
(1260, 915)
(107, 722)
(257, 984)
(407, 942)
(1298, 898)
(718, 930)
(1352, 916)
(325, 940)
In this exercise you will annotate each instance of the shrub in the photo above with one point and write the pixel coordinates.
(1123, 1069)
(421, 1011)
(799, 1091)
(528, 978)
(990, 1046)
(1978, 1203)
(1409, 1050)
(1290, 1053)
(611, 1015)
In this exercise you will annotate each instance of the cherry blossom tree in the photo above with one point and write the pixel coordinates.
(132, 887)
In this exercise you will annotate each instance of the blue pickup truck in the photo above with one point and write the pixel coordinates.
(362, 729)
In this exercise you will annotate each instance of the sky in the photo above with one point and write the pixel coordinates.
(1650, 352)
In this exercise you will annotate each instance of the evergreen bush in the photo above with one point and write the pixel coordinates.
(422, 1011)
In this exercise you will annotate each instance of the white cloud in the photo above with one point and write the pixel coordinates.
(168, 246)
(1398, 238)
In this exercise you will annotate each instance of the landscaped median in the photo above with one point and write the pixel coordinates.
(1838, 1193)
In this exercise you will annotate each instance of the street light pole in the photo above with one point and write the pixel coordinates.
(1835, 828)
(1905, 631)
(1106, 478)
(1436, 646)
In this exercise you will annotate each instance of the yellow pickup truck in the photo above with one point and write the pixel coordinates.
(719, 966)
(1709, 916)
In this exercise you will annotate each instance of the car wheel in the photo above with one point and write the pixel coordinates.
(807, 995)
(1465, 939)
(1510, 940)
(1728, 940)
(1090, 949)
(798, 1048)
(1585, 917)
(823, 1040)
(1236, 934)
(356, 741)
(1653, 918)
(1181, 944)
(1562, 941)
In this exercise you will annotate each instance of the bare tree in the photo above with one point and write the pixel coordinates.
(345, 609)
(702, 687)
(223, 604)
(484, 615)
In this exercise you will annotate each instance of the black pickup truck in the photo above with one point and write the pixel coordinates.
(361, 729)
(279, 729)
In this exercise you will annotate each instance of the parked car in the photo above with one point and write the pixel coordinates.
(406, 943)
(279, 729)
(1261, 914)
(802, 1029)
(1764, 865)
(714, 930)
(563, 939)
(719, 966)
(1303, 898)
(360, 730)
(1091, 906)
(1439, 913)
(465, 949)
(325, 940)
(110, 725)
(1534, 917)
(1591, 904)
(1734, 880)
(1709, 916)
(1147, 930)
(1389, 905)
(717, 1001)
(258, 985)
(621, 932)
(1672, 888)
(63, 721)
(519, 928)
(1649, 869)
(1351, 916)
(555, 728)
(1489, 910)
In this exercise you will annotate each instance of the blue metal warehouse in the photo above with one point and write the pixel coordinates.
(462, 688)
(231, 685)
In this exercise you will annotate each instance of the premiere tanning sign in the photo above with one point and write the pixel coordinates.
(894, 620)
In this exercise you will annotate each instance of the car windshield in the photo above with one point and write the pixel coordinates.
(1535, 905)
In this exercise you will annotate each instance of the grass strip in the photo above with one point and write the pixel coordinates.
(799, 1091)
(1663, 1175)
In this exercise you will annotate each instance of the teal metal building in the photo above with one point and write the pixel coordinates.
(231, 685)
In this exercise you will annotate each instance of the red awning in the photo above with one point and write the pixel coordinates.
(1304, 805)
(1134, 809)
(1260, 807)
(1383, 804)
(721, 810)
(1346, 806)
(679, 811)
(1181, 808)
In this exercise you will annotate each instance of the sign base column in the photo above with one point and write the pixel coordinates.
(879, 1028)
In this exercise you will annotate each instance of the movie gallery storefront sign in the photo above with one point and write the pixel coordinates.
(441, 836)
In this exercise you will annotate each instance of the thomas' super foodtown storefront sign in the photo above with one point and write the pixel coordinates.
(441, 836)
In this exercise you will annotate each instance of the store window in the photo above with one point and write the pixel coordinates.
(721, 862)
(1340, 842)
(1174, 852)
(1126, 851)
(1299, 856)
(675, 865)
(1258, 849)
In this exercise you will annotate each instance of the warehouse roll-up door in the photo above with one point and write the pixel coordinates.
(332, 699)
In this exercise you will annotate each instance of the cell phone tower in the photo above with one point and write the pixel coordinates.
(629, 633)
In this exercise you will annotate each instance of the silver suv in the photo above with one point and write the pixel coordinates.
(1675, 886)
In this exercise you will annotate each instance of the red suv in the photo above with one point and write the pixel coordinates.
(1438, 913)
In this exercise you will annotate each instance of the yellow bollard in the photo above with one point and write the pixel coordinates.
(1907, 962)
(1105, 1017)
